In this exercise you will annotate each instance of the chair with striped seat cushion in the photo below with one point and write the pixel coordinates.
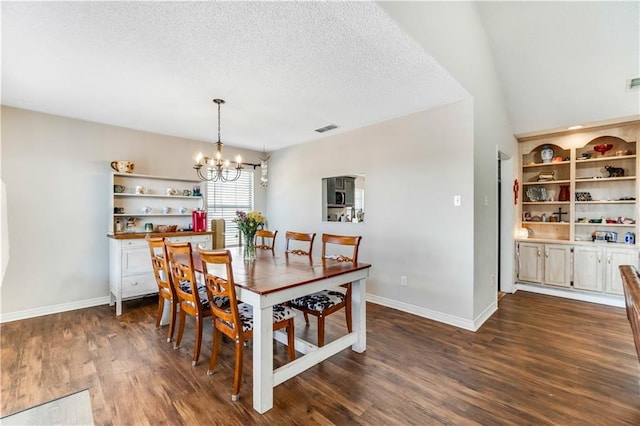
(326, 302)
(204, 298)
(166, 291)
(192, 301)
(236, 320)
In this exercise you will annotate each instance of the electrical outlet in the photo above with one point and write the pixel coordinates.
(403, 280)
(457, 200)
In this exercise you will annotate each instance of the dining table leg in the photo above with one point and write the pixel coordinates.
(263, 359)
(359, 314)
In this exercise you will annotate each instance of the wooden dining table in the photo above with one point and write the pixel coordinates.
(273, 279)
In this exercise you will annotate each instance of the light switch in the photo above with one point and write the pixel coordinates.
(457, 200)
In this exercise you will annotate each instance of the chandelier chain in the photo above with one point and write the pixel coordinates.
(216, 168)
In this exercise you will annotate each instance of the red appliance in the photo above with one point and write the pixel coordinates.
(199, 220)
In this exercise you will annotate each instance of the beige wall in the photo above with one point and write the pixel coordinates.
(56, 172)
(413, 167)
(453, 34)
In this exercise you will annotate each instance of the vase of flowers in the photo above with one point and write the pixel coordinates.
(248, 224)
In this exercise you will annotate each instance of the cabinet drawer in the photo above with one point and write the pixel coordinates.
(138, 285)
(201, 240)
(136, 261)
(134, 243)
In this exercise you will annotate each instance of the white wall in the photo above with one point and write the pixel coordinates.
(453, 34)
(57, 172)
(413, 166)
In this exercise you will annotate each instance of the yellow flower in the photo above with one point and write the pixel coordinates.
(257, 217)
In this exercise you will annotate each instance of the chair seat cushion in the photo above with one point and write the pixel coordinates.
(319, 301)
(221, 302)
(280, 313)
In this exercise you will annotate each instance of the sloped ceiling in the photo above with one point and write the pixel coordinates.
(565, 63)
(287, 68)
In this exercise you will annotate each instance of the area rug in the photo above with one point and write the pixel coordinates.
(74, 409)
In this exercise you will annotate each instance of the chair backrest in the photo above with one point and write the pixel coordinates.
(340, 240)
(221, 287)
(183, 274)
(299, 236)
(270, 236)
(160, 262)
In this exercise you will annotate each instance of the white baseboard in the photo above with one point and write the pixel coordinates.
(423, 312)
(47, 310)
(601, 299)
(485, 315)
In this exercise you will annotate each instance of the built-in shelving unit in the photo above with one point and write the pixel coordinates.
(576, 209)
(158, 200)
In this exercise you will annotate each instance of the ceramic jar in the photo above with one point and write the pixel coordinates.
(564, 193)
(546, 154)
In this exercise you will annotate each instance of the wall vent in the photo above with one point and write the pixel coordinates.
(326, 128)
(633, 83)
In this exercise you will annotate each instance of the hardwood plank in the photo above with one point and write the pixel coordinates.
(538, 360)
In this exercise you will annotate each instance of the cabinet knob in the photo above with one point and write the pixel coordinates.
(134, 283)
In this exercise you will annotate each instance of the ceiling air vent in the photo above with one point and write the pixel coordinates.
(326, 128)
(633, 83)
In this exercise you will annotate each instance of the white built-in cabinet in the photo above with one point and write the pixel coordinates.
(614, 257)
(153, 200)
(557, 265)
(130, 270)
(587, 272)
(582, 268)
(544, 263)
(575, 210)
(530, 262)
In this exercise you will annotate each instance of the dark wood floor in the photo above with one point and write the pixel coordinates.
(539, 360)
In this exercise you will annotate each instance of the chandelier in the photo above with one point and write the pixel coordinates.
(216, 169)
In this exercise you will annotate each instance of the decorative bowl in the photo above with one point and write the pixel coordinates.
(123, 166)
(602, 148)
(167, 228)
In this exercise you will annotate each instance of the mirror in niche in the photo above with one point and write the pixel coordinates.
(343, 198)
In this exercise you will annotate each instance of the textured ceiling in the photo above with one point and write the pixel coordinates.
(287, 68)
(565, 63)
(284, 69)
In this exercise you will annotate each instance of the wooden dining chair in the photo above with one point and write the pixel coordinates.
(267, 240)
(299, 237)
(236, 319)
(325, 302)
(166, 291)
(192, 297)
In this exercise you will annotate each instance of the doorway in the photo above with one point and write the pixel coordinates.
(505, 207)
